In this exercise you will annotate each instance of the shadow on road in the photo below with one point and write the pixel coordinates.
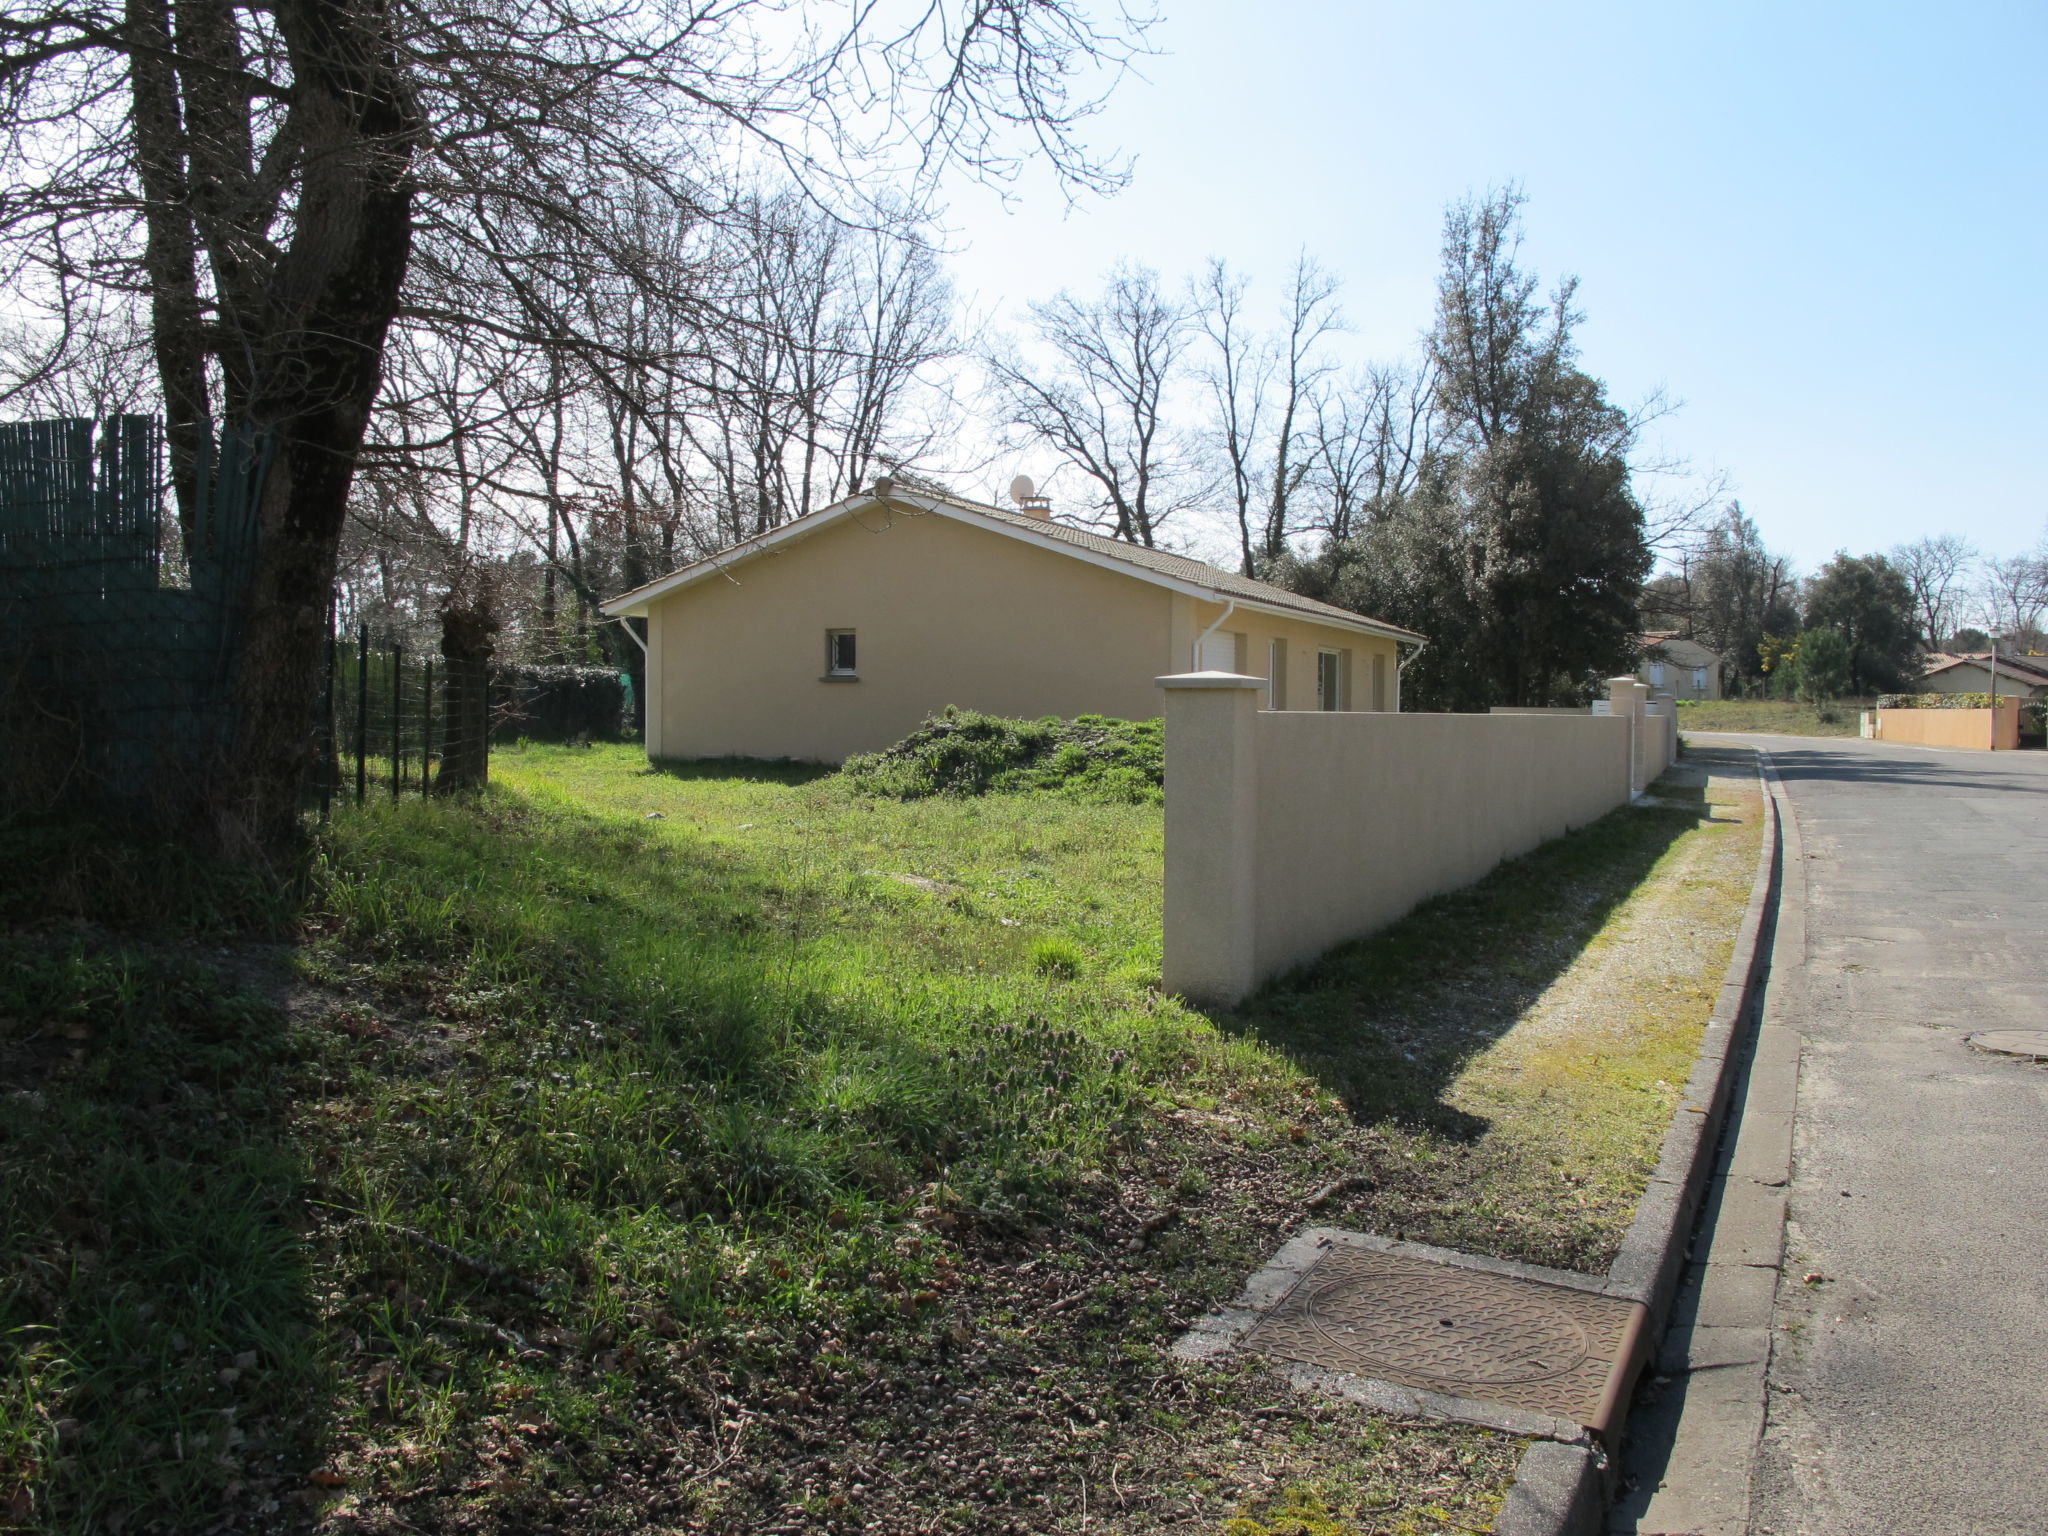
(1851, 761)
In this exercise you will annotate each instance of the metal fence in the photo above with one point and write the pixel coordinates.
(119, 621)
(381, 713)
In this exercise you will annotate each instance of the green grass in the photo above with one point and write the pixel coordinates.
(722, 1147)
(1784, 716)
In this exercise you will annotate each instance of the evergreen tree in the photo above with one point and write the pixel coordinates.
(1866, 598)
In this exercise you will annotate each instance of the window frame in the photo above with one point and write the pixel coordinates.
(1330, 670)
(832, 667)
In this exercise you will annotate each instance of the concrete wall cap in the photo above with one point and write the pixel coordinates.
(1210, 680)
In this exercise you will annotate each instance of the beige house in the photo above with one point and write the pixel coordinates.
(2018, 676)
(838, 632)
(1683, 668)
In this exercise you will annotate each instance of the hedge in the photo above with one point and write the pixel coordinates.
(1940, 700)
(558, 703)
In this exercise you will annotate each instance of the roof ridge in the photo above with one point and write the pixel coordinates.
(1158, 563)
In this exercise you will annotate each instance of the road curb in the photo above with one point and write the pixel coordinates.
(1562, 1490)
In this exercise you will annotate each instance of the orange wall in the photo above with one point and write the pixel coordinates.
(1966, 728)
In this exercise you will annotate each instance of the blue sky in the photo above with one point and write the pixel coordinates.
(1820, 226)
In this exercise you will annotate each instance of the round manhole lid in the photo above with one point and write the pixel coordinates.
(2014, 1042)
(1449, 1326)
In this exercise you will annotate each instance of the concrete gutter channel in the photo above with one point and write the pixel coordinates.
(1563, 1487)
(1567, 1476)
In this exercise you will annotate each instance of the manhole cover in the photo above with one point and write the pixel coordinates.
(2014, 1042)
(1461, 1332)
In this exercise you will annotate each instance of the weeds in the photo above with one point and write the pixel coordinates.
(961, 752)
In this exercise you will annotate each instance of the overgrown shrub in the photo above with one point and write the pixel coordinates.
(558, 703)
(963, 752)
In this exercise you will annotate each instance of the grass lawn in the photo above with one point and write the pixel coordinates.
(1787, 717)
(720, 1148)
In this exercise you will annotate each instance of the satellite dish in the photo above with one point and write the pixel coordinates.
(1022, 489)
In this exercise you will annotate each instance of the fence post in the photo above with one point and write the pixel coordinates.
(1212, 801)
(397, 718)
(330, 759)
(427, 728)
(362, 712)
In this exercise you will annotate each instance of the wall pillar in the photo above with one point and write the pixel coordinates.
(1211, 836)
(1643, 756)
(1621, 699)
(1668, 702)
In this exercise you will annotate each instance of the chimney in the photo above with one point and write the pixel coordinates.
(1024, 492)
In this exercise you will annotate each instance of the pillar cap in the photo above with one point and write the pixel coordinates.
(1210, 680)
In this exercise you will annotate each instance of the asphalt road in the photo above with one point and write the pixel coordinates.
(1909, 1381)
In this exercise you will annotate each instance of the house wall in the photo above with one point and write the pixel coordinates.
(1967, 728)
(1287, 833)
(1678, 670)
(1302, 640)
(1970, 677)
(942, 613)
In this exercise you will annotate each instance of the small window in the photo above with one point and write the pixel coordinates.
(839, 653)
(1699, 679)
(1329, 680)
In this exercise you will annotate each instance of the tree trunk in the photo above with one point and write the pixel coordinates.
(312, 371)
(468, 641)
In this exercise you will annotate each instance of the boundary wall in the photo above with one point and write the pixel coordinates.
(1970, 729)
(1290, 832)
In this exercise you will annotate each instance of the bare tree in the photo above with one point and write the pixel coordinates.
(1935, 568)
(1264, 391)
(1104, 404)
(2011, 596)
(1236, 375)
(1369, 440)
(265, 177)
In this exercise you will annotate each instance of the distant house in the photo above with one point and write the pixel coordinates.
(2022, 676)
(838, 632)
(1683, 668)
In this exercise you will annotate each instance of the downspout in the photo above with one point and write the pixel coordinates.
(1229, 607)
(1401, 668)
(628, 628)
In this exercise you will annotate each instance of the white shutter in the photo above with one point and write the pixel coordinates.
(1219, 653)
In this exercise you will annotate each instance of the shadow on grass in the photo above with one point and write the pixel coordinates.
(753, 770)
(1388, 1022)
(156, 1349)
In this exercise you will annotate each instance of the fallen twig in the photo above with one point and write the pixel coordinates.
(497, 1335)
(1333, 1189)
(490, 1269)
